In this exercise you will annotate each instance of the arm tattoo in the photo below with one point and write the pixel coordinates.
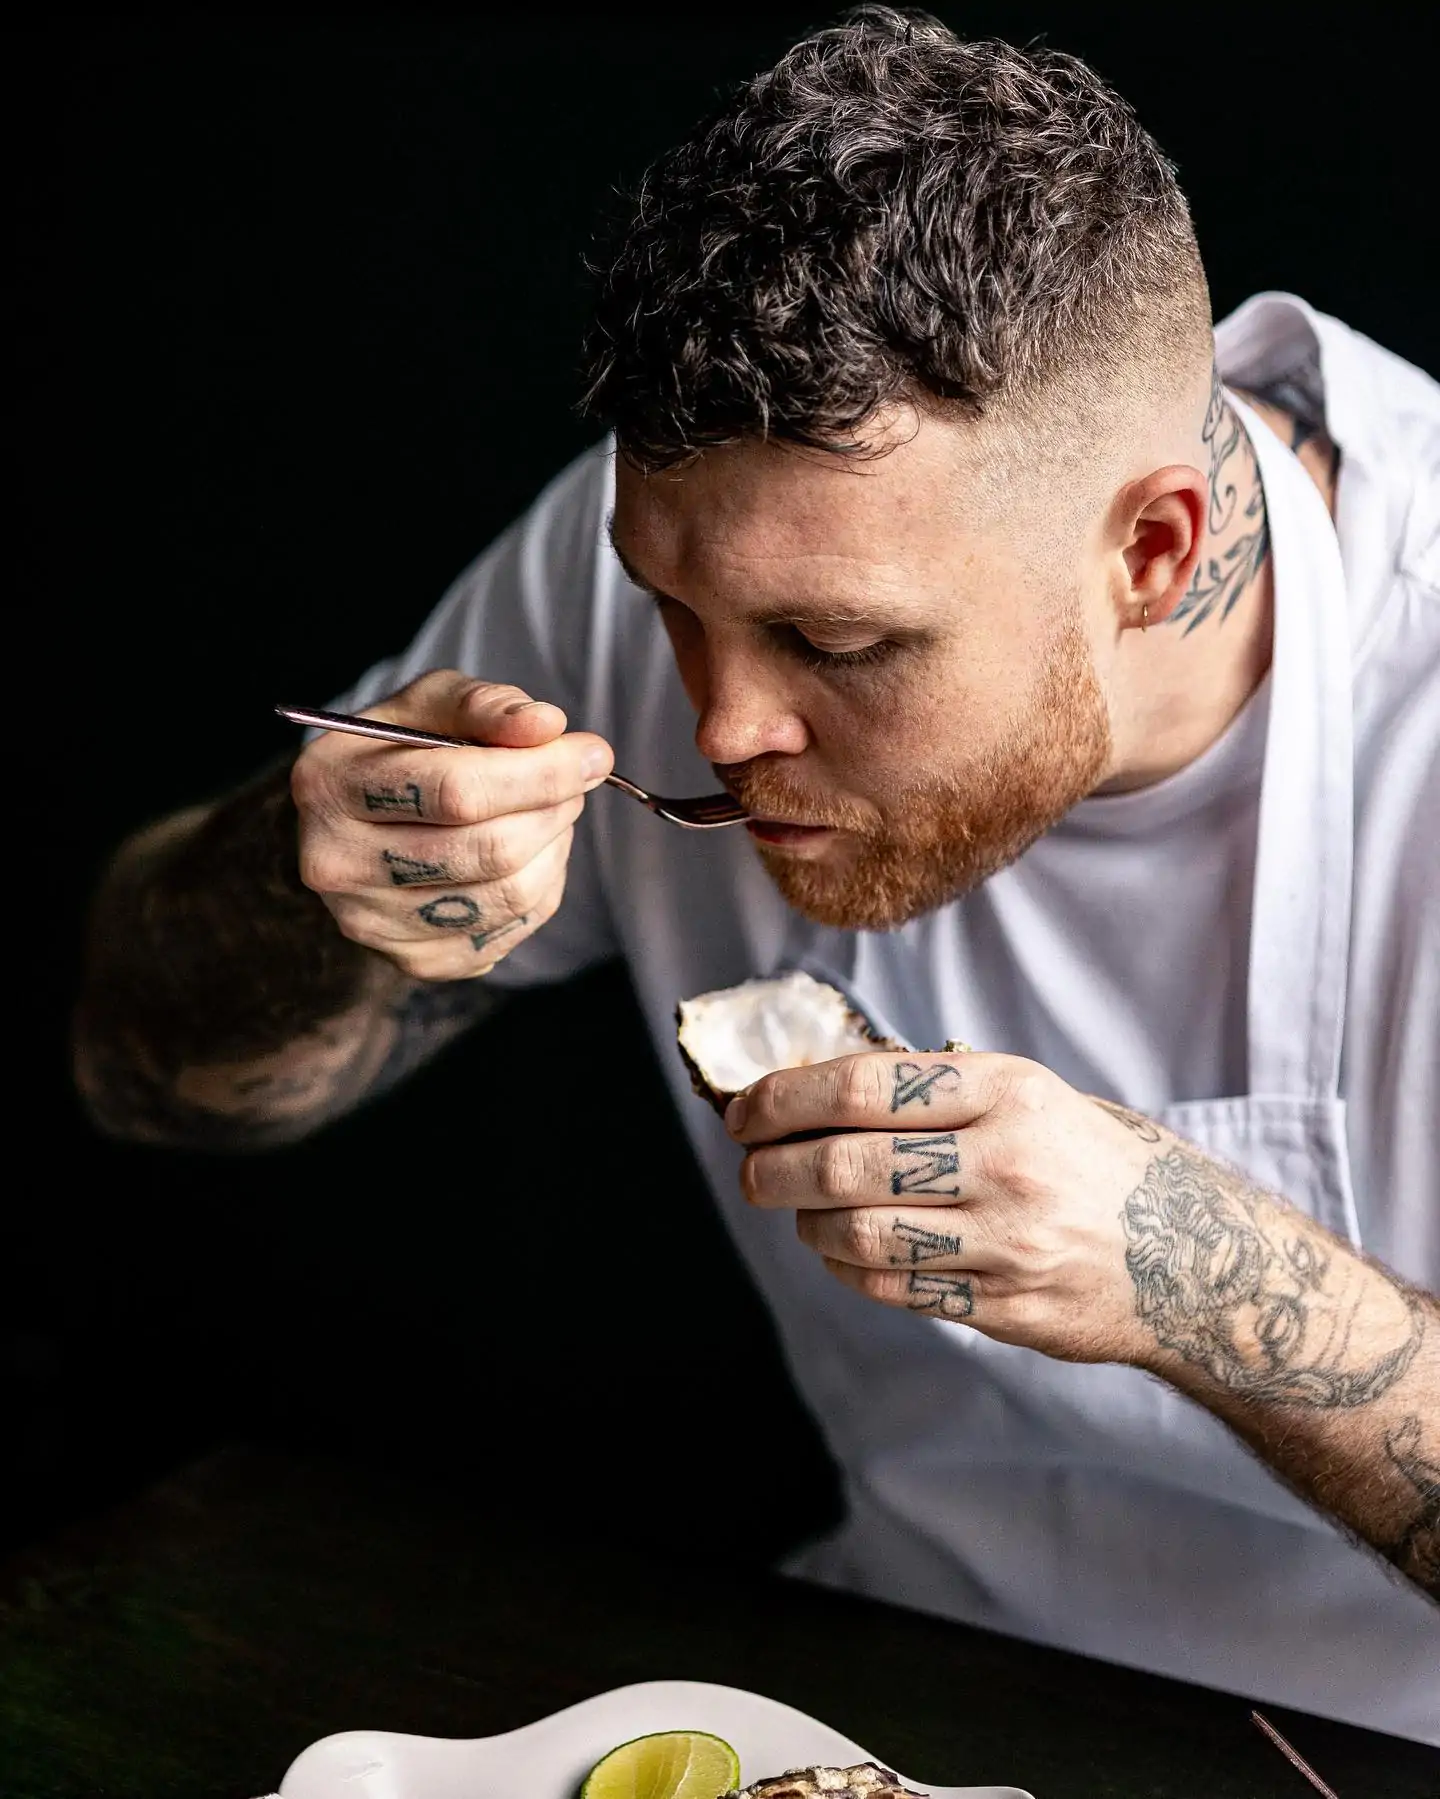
(915, 1081)
(1220, 580)
(921, 1245)
(209, 957)
(425, 1019)
(1245, 1298)
(1144, 1128)
(941, 1295)
(410, 871)
(921, 1163)
(394, 799)
(1416, 1550)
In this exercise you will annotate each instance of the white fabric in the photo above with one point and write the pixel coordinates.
(1089, 1507)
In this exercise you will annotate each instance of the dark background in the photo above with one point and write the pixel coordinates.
(298, 308)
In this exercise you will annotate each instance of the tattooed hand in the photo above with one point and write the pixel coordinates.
(983, 1190)
(983, 1187)
(976, 1188)
(443, 860)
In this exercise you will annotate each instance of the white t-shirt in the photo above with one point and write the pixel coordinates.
(1115, 952)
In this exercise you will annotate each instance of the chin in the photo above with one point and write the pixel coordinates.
(844, 899)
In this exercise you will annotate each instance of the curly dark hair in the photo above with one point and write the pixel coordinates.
(889, 213)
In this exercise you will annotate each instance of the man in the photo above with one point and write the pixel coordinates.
(1086, 698)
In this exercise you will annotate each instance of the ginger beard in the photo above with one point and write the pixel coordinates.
(943, 836)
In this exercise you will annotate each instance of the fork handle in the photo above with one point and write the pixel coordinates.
(372, 727)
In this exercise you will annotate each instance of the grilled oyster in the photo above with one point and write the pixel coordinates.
(867, 1781)
(731, 1037)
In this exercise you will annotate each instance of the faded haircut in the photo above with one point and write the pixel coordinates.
(892, 215)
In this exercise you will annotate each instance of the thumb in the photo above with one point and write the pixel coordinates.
(507, 716)
(485, 712)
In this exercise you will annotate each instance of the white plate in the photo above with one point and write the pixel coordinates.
(548, 1760)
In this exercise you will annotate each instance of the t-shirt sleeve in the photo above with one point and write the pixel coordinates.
(524, 612)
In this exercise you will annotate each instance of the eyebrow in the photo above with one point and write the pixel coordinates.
(815, 612)
(632, 574)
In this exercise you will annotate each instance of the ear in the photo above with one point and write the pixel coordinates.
(1159, 528)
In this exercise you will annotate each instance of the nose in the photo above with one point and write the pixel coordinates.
(744, 709)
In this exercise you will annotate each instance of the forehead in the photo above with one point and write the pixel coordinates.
(755, 509)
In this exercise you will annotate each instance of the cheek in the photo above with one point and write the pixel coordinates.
(910, 718)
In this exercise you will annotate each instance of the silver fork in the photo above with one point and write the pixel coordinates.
(710, 812)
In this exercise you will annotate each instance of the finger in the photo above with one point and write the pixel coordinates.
(457, 954)
(956, 1298)
(459, 705)
(856, 1168)
(459, 959)
(478, 915)
(882, 1237)
(873, 1090)
(358, 859)
(394, 786)
(509, 716)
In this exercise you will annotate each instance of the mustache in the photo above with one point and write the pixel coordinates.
(768, 791)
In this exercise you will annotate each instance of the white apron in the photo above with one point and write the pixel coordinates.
(1029, 1492)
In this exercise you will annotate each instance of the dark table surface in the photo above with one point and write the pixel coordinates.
(195, 1642)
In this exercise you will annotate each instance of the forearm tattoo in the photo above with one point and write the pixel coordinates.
(1416, 1549)
(1249, 1308)
(209, 953)
(1322, 1361)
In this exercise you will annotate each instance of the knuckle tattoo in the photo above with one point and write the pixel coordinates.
(949, 1296)
(450, 912)
(908, 1244)
(916, 1083)
(412, 871)
(929, 1165)
(400, 801)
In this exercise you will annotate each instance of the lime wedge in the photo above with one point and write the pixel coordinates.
(672, 1764)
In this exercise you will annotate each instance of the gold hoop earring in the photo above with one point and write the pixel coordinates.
(1145, 615)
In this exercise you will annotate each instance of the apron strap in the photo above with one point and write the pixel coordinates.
(1300, 917)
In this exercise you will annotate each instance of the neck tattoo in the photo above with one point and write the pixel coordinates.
(1237, 531)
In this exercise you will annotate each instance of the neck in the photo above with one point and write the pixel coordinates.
(1185, 680)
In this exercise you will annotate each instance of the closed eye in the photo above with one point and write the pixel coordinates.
(794, 641)
(814, 655)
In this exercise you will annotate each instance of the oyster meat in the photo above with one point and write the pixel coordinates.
(731, 1037)
(867, 1781)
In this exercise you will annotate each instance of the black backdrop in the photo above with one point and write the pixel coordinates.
(298, 309)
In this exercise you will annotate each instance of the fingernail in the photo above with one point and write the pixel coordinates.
(736, 1113)
(594, 761)
(521, 706)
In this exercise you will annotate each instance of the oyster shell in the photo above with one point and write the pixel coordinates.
(866, 1781)
(731, 1037)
